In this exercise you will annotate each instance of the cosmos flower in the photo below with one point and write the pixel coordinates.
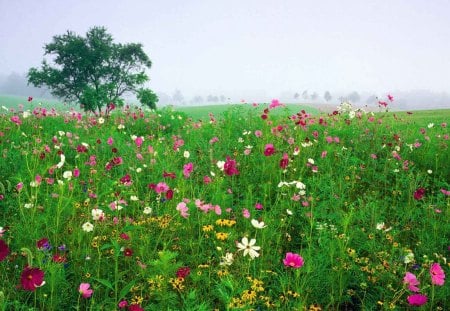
(293, 260)
(417, 299)
(249, 247)
(31, 278)
(85, 291)
(269, 150)
(4, 250)
(412, 282)
(437, 274)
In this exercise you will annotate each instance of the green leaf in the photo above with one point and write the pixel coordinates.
(126, 289)
(105, 283)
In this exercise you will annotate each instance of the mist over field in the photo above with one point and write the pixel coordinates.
(232, 51)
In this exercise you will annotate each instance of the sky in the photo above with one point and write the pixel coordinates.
(247, 47)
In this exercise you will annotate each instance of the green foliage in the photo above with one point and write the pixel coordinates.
(91, 70)
(344, 202)
(147, 98)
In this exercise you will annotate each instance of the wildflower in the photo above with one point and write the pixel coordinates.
(101, 120)
(417, 299)
(148, 210)
(222, 236)
(43, 244)
(161, 187)
(187, 169)
(245, 213)
(269, 150)
(229, 167)
(85, 291)
(31, 278)
(259, 206)
(122, 304)
(412, 282)
(293, 260)
(445, 192)
(4, 250)
(419, 193)
(186, 154)
(437, 274)
(128, 252)
(257, 224)
(284, 161)
(67, 175)
(97, 214)
(183, 209)
(249, 248)
(135, 307)
(183, 272)
(227, 260)
(87, 227)
(16, 120)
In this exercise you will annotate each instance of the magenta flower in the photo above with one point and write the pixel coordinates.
(31, 278)
(269, 150)
(187, 169)
(419, 193)
(183, 209)
(230, 167)
(183, 272)
(412, 282)
(293, 260)
(4, 250)
(445, 192)
(138, 141)
(284, 161)
(417, 299)
(85, 291)
(437, 274)
(16, 120)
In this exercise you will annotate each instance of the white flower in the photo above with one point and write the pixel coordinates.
(430, 125)
(409, 257)
(307, 144)
(101, 120)
(61, 133)
(220, 165)
(311, 161)
(257, 224)
(97, 214)
(121, 126)
(249, 248)
(148, 210)
(88, 227)
(61, 163)
(186, 154)
(138, 170)
(134, 198)
(133, 137)
(227, 260)
(26, 114)
(240, 140)
(380, 226)
(67, 175)
(28, 205)
(300, 185)
(34, 184)
(430, 172)
(289, 212)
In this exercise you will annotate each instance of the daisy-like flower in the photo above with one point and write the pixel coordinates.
(101, 120)
(87, 227)
(258, 224)
(412, 282)
(31, 278)
(4, 250)
(227, 260)
(437, 274)
(249, 247)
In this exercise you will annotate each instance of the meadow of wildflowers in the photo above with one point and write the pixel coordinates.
(145, 210)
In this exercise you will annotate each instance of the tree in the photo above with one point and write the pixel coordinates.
(314, 96)
(93, 70)
(178, 97)
(305, 95)
(147, 98)
(327, 96)
(354, 97)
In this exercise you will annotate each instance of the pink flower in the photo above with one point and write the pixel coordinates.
(207, 180)
(85, 291)
(76, 172)
(275, 103)
(293, 260)
(259, 206)
(187, 169)
(417, 299)
(183, 272)
(110, 141)
(412, 282)
(161, 187)
(269, 150)
(258, 133)
(245, 213)
(4, 249)
(390, 97)
(183, 209)
(445, 192)
(138, 141)
(16, 120)
(123, 304)
(437, 274)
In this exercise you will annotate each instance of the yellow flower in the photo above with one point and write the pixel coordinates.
(207, 228)
(222, 236)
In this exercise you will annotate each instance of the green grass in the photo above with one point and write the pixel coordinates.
(169, 198)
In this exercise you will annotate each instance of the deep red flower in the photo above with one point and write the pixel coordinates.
(30, 98)
(43, 244)
(58, 258)
(81, 149)
(284, 161)
(135, 307)
(31, 278)
(183, 272)
(230, 167)
(128, 252)
(4, 250)
(169, 175)
(169, 194)
(269, 150)
(419, 193)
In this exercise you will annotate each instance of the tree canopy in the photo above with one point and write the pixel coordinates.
(92, 70)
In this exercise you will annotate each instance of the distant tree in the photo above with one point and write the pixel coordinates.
(296, 95)
(354, 97)
(164, 98)
(314, 96)
(305, 95)
(92, 70)
(371, 100)
(212, 99)
(147, 98)
(327, 96)
(177, 97)
(222, 98)
(197, 100)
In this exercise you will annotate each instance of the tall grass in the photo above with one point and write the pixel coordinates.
(159, 210)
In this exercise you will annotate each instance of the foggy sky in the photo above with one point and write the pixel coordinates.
(249, 46)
